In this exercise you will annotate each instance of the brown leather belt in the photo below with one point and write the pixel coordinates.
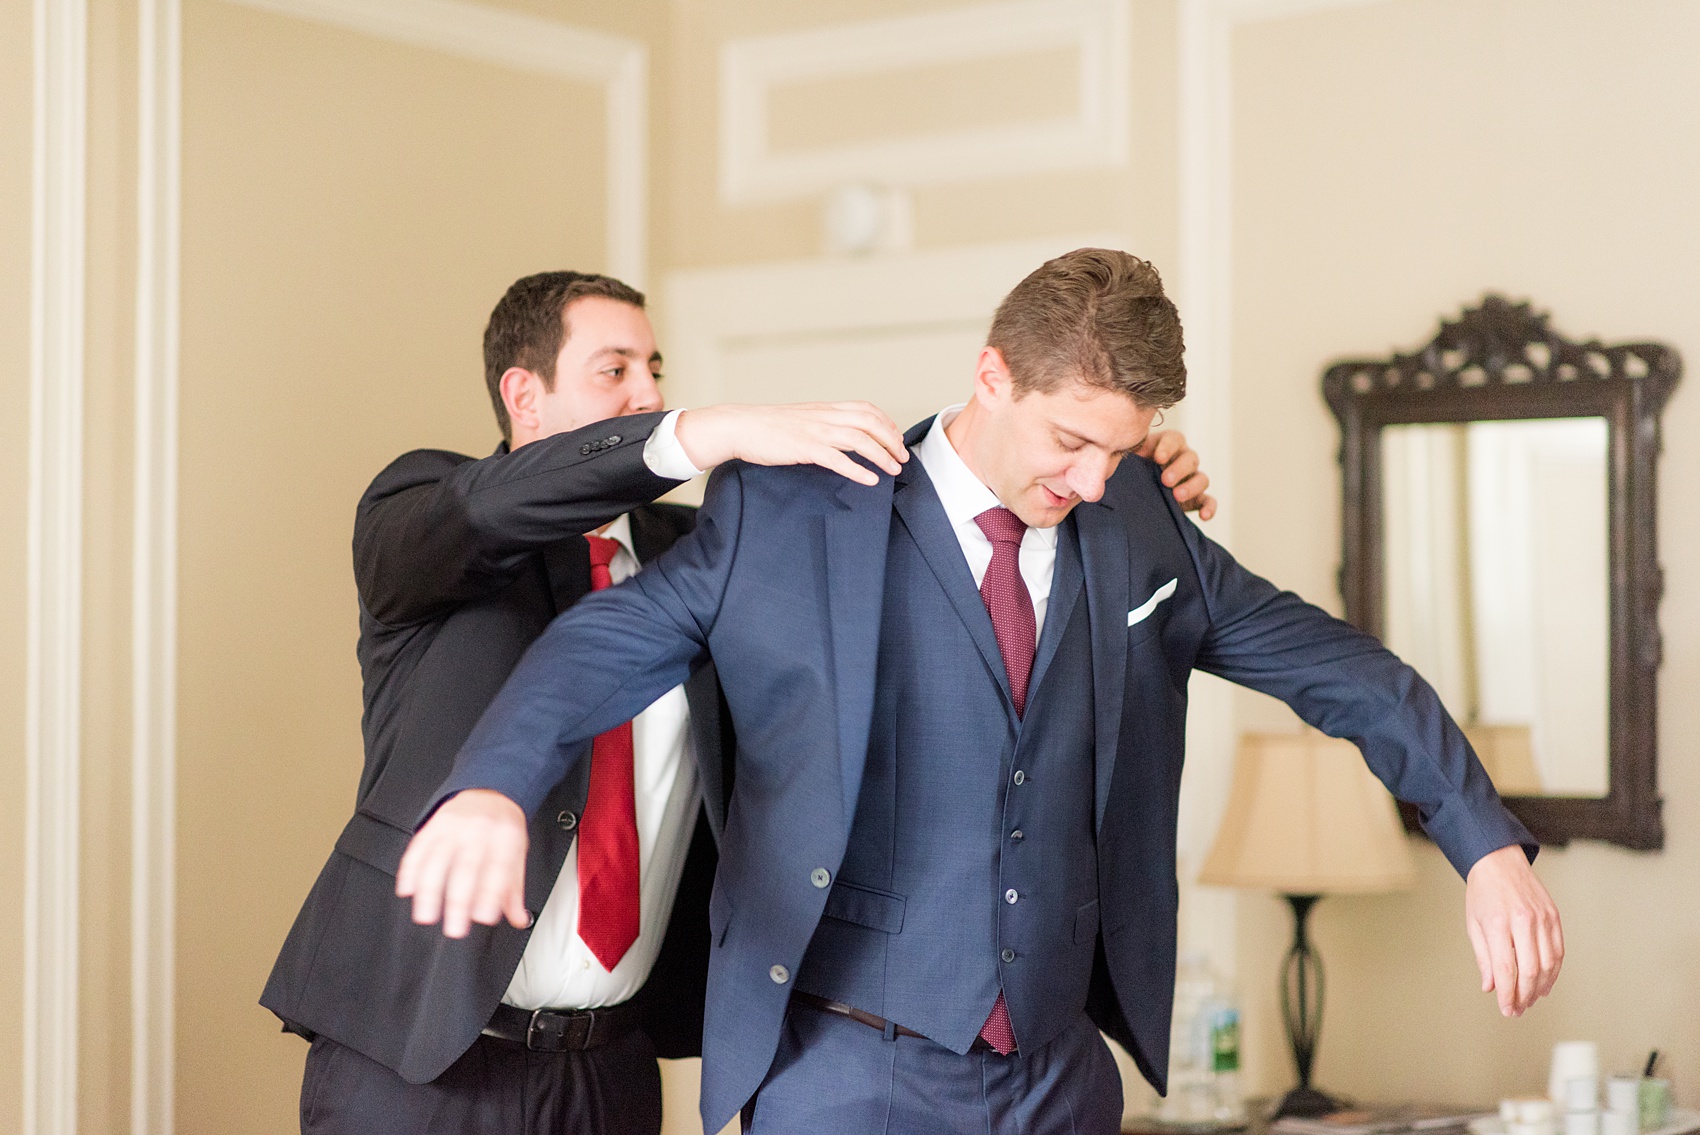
(563, 1030)
(855, 1014)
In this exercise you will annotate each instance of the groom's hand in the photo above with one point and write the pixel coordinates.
(807, 433)
(1514, 927)
(467, 864)
(1168, 448)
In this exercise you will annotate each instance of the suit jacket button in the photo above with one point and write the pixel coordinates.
(1020, 777)
(820, 877)
(567, 820)
(1008, 955)
(779, 974)
(1010, 896)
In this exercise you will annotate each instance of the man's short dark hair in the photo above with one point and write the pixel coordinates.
(1094, 315)
(530, 324)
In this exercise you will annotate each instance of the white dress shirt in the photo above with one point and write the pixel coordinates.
(557, 970)
(964, 497)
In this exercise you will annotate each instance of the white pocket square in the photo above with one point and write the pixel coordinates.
(1139, 613)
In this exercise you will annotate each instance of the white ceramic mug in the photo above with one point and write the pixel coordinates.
(1572, 1060)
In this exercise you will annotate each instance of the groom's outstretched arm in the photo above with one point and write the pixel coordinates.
(597, 665)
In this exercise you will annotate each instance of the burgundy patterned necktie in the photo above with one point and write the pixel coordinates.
(607, 835)
(1005, 594)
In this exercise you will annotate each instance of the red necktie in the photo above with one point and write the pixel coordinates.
(1005, 594)
(607, 835)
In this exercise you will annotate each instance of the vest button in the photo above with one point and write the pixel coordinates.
(1010, 896)
(567, 820)
(1020, 777)
(779, 974)
(1008, 955)
(820, 877)
(1016, 835)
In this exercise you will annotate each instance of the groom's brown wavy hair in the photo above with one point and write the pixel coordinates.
(1098, 316)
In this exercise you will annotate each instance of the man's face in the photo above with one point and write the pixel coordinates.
(1043, 453)
(607, 368)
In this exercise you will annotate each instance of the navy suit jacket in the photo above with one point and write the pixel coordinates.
(782, 581)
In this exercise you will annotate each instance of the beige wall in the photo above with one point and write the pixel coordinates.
(16, 73)
(1392, 162)
(352, 210)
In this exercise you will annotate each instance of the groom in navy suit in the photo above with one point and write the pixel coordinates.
(959, 699)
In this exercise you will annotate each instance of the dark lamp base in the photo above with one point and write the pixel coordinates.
(1307, 1103)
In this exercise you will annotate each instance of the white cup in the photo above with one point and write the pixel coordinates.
(1582, 1093)
(1582, 1123)
(1616, 1122)
(1623, 1093)
(1534, 1110)
(1572, 1060)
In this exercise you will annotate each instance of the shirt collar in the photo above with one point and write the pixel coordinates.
(963, 495)
(620, 531)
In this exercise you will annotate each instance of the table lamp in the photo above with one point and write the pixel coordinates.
(1306, 818)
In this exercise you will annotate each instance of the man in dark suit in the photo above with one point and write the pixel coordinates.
(959, 697)
(460, 563)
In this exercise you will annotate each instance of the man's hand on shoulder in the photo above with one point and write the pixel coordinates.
(1168, 448)
(1514, 927)
(466, 864)
(808, 433)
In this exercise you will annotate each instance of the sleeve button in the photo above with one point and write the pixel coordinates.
(779, 974)
(820, 877)
(585, 449)
(613, 439)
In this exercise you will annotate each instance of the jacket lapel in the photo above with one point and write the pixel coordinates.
(651, 533)
(1066, 582)
(567, 563)
(1104, 559)
(857, 531)
(917, 504)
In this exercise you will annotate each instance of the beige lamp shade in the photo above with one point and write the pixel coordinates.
(1306, 817)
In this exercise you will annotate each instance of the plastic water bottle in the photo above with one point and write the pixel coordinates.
(1204, 1050)
(1229, 1104)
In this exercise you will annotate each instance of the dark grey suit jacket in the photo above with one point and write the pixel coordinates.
(460, 565)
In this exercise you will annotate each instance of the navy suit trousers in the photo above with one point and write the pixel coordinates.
(835, 1076)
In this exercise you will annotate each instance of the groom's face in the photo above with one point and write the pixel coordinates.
(1048, 451)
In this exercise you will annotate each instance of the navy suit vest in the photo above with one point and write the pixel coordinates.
(971, 863)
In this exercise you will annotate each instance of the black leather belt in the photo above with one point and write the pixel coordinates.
(563, 1030)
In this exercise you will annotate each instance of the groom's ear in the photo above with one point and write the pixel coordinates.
(993, 384)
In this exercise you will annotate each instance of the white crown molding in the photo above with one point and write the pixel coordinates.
(52, 744)
(1096, 135)
(529, 43)
(153, 572)
(710, 311)
(1205, 296)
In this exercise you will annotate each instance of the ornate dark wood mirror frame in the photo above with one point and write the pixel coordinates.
(1502, 361)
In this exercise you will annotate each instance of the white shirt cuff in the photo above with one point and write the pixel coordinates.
(663, 453)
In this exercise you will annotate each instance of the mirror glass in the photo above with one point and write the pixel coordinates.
(1497, 589)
